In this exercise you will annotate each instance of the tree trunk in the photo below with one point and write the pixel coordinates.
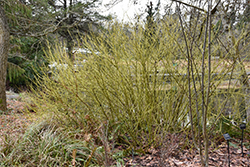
(4, 44)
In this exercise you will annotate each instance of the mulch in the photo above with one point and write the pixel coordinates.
(190, 158)
(13, 122)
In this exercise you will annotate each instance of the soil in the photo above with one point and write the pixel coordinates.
(13, 122)
(190, 157)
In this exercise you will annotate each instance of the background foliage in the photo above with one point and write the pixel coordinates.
(33, 22)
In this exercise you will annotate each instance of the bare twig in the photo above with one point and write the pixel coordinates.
(190, 5)
(189, 81)
(208, 86)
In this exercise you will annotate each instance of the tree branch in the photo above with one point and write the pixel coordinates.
(203, 10)
(190, 5)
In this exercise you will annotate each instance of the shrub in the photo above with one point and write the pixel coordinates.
(134, 79)
(124, 83)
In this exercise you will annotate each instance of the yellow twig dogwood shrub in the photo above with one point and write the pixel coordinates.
(128, 76)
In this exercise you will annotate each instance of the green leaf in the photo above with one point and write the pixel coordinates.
(234, 145)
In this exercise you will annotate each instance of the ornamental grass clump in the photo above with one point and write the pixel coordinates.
(45, 144)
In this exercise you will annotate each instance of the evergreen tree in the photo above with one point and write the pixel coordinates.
(66, 18)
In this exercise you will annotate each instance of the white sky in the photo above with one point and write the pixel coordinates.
(126, 10)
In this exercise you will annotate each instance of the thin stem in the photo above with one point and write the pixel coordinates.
(189, 80)
(202, 86)
(208, 87)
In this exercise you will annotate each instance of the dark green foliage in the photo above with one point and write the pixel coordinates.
(31, 22)
(25, 59)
